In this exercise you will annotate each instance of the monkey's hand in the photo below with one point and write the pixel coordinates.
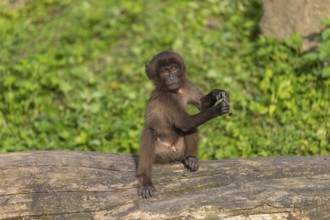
(146, 191)
(222, 108)
(212, 97)
(147, 187)
(220, 94)
(191, 163)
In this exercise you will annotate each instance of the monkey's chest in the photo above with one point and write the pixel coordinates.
(183, 98)
(166, 151)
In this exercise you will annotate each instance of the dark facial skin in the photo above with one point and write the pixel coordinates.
(169, 75)
(170, 133)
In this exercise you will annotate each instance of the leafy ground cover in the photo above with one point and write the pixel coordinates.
(72, 76)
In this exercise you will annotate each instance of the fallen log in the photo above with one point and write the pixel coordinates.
(91, 185)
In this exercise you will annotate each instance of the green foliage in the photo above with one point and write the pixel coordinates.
(72, 76)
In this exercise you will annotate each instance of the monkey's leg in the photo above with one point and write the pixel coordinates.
(146, 159)
(190, 158)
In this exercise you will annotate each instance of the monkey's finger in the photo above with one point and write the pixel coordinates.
(146, 192)
(186, 163)
(224, 104)
(194, 166)
(217, 94)
(141, 191)
(191, 165)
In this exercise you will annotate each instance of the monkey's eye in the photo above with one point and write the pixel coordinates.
(163, 72)
(174, 69)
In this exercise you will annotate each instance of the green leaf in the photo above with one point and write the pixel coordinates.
(326, 72)
(326, 34)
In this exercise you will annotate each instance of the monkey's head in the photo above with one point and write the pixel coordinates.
(167, 71)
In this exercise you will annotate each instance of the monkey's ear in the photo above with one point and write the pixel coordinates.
(149, 71)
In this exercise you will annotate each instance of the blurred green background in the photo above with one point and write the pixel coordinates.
(72, 76)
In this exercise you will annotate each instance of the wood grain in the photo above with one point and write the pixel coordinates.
(90, 185)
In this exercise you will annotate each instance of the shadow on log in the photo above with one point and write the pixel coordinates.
(90, 185)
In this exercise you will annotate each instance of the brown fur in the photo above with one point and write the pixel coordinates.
(170, 133)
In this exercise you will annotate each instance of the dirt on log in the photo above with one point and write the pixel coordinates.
(90, 185)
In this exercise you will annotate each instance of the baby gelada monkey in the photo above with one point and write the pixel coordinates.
(170, 133)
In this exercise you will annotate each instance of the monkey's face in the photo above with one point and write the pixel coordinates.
(167, 71)
(170, 76)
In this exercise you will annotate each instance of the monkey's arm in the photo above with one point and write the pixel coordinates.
(146, 159)
(195, 95)
(187, 122)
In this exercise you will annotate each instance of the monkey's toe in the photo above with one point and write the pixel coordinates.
(191, 163)
(146, 191)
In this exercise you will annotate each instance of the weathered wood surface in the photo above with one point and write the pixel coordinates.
(77, 185)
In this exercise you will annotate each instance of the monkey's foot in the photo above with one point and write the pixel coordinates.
(191, 163)
(146, 191)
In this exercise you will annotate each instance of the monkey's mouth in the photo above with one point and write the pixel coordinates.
(173, 85)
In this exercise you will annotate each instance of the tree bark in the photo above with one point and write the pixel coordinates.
(90, 185)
